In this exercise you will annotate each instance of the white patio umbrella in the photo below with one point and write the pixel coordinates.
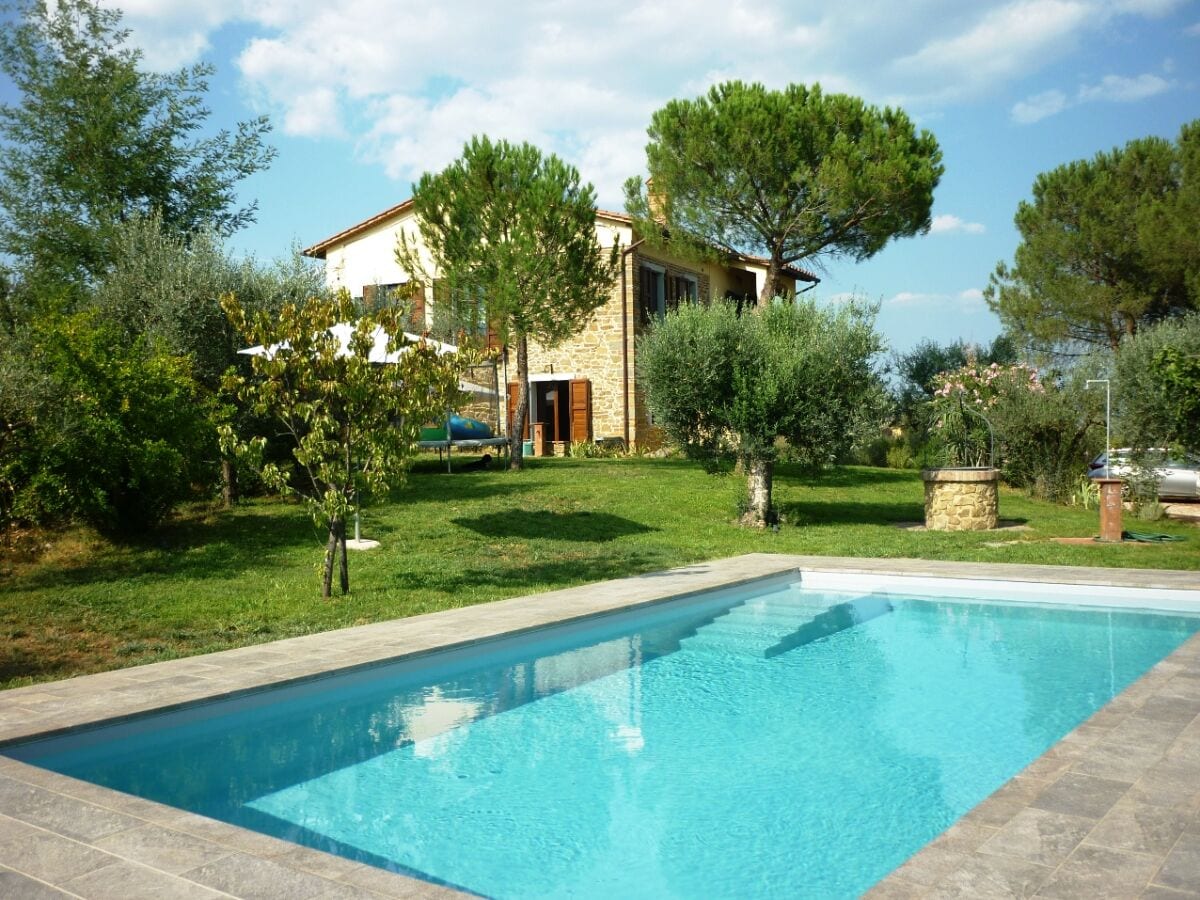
(343, 332)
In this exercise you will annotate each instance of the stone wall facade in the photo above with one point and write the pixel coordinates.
(604, 353)
(485, 409)
(961, 499)
(594, 354)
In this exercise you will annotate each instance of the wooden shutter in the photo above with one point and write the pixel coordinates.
(416, 315)
(647, 294)
(493, 339)
(514, 388)
(581, 410)
(369, 292)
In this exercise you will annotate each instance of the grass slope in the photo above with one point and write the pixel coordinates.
(209, 581)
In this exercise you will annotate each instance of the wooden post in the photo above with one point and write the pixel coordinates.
(1110, 509)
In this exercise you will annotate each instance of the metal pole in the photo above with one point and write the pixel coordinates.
(1107, 421)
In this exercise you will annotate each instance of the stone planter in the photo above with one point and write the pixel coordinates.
(961, 499)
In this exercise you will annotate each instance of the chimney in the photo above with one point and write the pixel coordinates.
(657, 202)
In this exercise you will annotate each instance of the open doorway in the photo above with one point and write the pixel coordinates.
(560, 412)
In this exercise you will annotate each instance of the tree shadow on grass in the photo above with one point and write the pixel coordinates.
(582, 526)
(512, 580)
(223, 546)
(427, 485)
(849, 512)
(840, 476)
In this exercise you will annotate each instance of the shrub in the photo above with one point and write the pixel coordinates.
(117, 436)
(1047, 437)
(899, 456)
(962, 405)
(1155, 398)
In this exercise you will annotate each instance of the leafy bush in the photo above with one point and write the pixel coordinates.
(1153, 389)
(962, 406)
(1046, 438)
(899, 456)
(116, 435)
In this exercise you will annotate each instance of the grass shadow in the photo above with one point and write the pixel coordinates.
(219, 546)
(432, 484)
(846, 512)
(582, 526)
(512, 580)
(841, 476)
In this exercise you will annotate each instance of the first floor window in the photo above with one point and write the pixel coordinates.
(652, 293)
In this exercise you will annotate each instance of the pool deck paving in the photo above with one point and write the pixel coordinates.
(1111, 810)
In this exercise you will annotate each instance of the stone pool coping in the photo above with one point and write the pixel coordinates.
(1112, 807)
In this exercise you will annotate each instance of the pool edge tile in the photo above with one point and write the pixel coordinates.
(125, 693)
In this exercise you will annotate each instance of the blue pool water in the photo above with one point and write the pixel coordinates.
(773, 742)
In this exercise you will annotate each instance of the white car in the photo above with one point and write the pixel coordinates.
(1178, 475)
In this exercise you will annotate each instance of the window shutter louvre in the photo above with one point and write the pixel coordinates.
(417, 313)
(581, 411)
(514, 388)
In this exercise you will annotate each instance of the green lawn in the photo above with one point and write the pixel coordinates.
(210, 580)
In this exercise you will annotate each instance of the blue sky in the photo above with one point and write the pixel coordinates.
(367, 94)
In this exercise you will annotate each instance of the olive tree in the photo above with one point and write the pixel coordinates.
(1156, 386)
(727, 387)
(93, 138)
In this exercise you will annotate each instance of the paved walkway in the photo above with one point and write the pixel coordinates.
(1114, 806)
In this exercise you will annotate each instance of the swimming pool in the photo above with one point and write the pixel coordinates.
(769, 741)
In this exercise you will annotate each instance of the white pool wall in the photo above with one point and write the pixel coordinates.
(1143, 599)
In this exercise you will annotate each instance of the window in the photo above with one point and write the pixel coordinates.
(682, 289)
(652, 294)
(660, 291)
(456, 312)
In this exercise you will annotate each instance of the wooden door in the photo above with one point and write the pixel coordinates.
(581, 410)
(514, 388)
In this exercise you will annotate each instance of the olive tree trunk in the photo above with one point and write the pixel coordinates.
(759, 511)
(228, 482)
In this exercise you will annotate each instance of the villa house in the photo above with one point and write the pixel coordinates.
(586, 388)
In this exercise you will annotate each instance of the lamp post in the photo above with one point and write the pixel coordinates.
(1107, 420)
(1110, 488)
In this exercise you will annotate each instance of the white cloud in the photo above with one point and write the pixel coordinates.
(314, 114)
(412, 80)
(1039, 106)
(948, 224)
(1150, 8)
(1010, 40)
(1117, 89)
(1110, 89)
(966, 299)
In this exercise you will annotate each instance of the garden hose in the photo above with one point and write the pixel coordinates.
(1148, 537)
